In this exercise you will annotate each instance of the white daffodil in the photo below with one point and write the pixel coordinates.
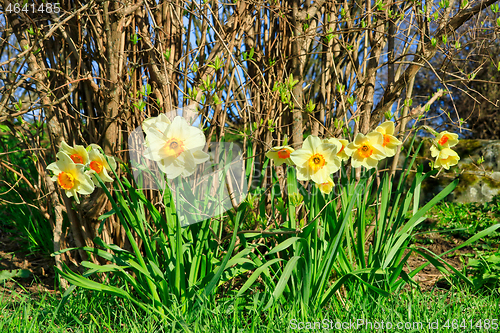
(177, 149)
(161, 122)
(366, 150)
(71, 176)
(280, 155)
(100, 164)
(78, 154)
(316, 160)
(341, 144)
(391, 143)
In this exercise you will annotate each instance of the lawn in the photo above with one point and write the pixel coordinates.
(440, 302)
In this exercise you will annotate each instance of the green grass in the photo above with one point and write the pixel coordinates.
(93, 312)
(465, 220)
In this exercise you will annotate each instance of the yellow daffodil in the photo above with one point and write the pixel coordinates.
(316, 160)
(327, 186)
(341, 144)
(71, 176)
(78, 154)
(446, 158)
(100, 164)
(391, 143)
(280, 155)
(366, 150)
(177, 148)
(443, 140)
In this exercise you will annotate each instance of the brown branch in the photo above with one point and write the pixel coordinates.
(426, 54)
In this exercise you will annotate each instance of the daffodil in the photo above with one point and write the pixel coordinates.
(78, 154)
(176, 147)
(443, 140)
(327, 186)
(316, 160)
(101, 165)
(160, 122)
(341, 144)
(446, 158)
(391, 143)
(71, 176)
(280, 155)
(366, 150)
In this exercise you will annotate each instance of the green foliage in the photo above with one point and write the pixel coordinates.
(248, 55)
(301, 264)
(135, 39)
(341, 245)
(166, 54)
(485, 271)
(217, 63)
(174, 265)
(24, 221)
(330, 35)
(466, 220)
(285, 90)
(310, 106)
(350, 100)
(6, 275)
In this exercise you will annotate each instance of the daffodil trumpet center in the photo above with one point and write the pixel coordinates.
(77, 158)
(316, 162)
(387, 140)
(174, 147)
(284, 153)
(66, 180)
(96, 166)
(443, 140)
(365, 151)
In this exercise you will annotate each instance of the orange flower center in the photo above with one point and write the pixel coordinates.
(66, 180)
(96, 166)
(443, 140)
(284, 153)
(341, 150)
(365, 151)
(316, 162)
(77, 158)
(387, 139)
(174, 147)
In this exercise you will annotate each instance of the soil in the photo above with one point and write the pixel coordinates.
(14, 256)
(42, 278)
(430, 277)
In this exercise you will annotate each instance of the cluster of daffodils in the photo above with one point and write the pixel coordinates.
(175, 146)
(76, 167)
(318, 159)
(440, 149)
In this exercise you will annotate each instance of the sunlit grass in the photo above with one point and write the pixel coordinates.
(94, 312)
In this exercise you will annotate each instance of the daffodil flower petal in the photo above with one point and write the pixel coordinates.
(446, 158)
